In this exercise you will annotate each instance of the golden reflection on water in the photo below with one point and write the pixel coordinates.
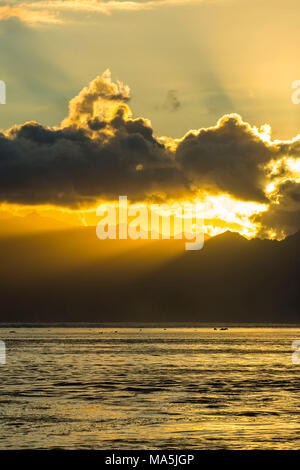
(126, 388)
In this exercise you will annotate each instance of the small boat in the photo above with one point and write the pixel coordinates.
(223, 329)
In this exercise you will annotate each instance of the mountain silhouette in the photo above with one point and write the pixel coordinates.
(70, 275)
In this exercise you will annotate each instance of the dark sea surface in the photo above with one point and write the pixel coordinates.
(149, 388)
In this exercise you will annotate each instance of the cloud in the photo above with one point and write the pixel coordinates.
(98, 100)
(228, 157)
(283, 216)
(29, 13)
(172, 102)
(100, 152)
(54, 11)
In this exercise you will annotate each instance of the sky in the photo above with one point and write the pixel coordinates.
(178, 116)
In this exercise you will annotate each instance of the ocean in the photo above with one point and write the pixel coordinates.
(149, 388)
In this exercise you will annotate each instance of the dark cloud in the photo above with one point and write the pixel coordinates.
(172, 102)
(229, 157)
(283, 216)
(67, 167)
(289, 193)
(133, 126)
(108, 157)
(100, 152)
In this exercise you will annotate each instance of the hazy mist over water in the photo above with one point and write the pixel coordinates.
(149, 388)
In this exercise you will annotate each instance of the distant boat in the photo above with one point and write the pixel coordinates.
(223, 329)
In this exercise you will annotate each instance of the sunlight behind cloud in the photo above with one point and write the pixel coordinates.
(237, 175)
